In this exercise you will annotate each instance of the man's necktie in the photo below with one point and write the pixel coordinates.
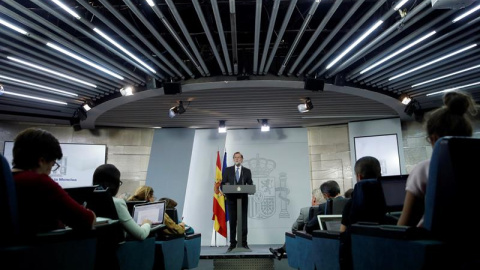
(237, 175)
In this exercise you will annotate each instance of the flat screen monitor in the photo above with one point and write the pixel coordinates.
(393, 187)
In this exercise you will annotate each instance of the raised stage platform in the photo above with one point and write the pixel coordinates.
(258, 258)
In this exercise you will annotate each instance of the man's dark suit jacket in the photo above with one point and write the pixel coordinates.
(228, 177)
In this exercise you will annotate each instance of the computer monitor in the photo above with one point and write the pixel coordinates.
(393, 187)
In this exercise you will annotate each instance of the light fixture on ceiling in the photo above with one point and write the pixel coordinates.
(433, 62)
(84, 60)
(405, 99)
(454, 88)
(67, 9)
(88, 105)
(222, 128)
(466, 14)
(50, 71)
(265, 127)
(13, 27)
(412, 107)
(305, 107)
(126, 91)
(174, 111)
(446, 76)
(1, 89)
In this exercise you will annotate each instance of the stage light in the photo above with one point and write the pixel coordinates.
(86, 107)
(221, 127)
(265, 126)
(412, 107)
(127, 91)
(174, 111)
(305, 107)
(405, 99)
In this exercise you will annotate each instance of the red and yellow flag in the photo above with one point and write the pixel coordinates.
(220, 224)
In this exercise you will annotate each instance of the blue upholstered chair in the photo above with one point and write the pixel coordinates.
(60, 249)
(169, 252)
(114, 250)
(293, 253)
(305, 251)
(445, 240)
(192, 247)
(325, 250)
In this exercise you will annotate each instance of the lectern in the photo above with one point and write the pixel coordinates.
(239, 190)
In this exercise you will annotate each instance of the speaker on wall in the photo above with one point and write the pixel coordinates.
(314, 84)
(172, 88)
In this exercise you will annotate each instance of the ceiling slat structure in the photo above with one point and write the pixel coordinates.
(238, 61)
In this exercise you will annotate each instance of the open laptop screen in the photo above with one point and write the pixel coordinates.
(330, 222)
(393, 187)
(153, 211)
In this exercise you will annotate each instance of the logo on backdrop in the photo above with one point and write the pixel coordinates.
(263, 204)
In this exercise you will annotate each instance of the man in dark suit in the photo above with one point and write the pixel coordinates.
(237, 175)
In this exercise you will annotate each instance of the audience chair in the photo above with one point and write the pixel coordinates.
(59, 249)
(192, 246)
(305, 253)
(439, 244)
(169, 251)
(291, 246)
(115, 251)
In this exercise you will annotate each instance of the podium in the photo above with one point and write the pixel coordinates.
(239, 190)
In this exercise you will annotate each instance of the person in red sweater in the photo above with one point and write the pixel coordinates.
(43, 205)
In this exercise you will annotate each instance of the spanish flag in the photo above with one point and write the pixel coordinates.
(219, 217)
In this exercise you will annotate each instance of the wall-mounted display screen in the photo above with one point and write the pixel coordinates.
(77, 165)
(382, 147)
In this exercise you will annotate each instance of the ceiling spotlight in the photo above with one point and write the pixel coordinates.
(86, 107)
(412, 107)
(221, 127)
(265, 126)
(127, 91)
(1, 89)
(174, 111)
(405, 99)
(305, 107)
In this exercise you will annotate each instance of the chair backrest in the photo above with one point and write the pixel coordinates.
(101, 202)
(453, 171)
(173, 214)
(338, 204)
(368, 203)
(8, 203)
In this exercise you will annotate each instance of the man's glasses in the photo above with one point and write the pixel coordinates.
(55, 167)
(120, 183)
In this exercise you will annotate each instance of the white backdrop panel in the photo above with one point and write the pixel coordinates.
(280, 167)
(198, 207)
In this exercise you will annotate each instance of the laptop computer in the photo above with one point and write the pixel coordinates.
(153, 211)
(330, 222)
(393, 187)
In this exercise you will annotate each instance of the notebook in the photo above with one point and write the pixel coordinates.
(153, 211)
(330, 222)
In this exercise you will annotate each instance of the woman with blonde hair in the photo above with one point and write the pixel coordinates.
(145, 193)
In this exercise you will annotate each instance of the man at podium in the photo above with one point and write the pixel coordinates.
(237, 175)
